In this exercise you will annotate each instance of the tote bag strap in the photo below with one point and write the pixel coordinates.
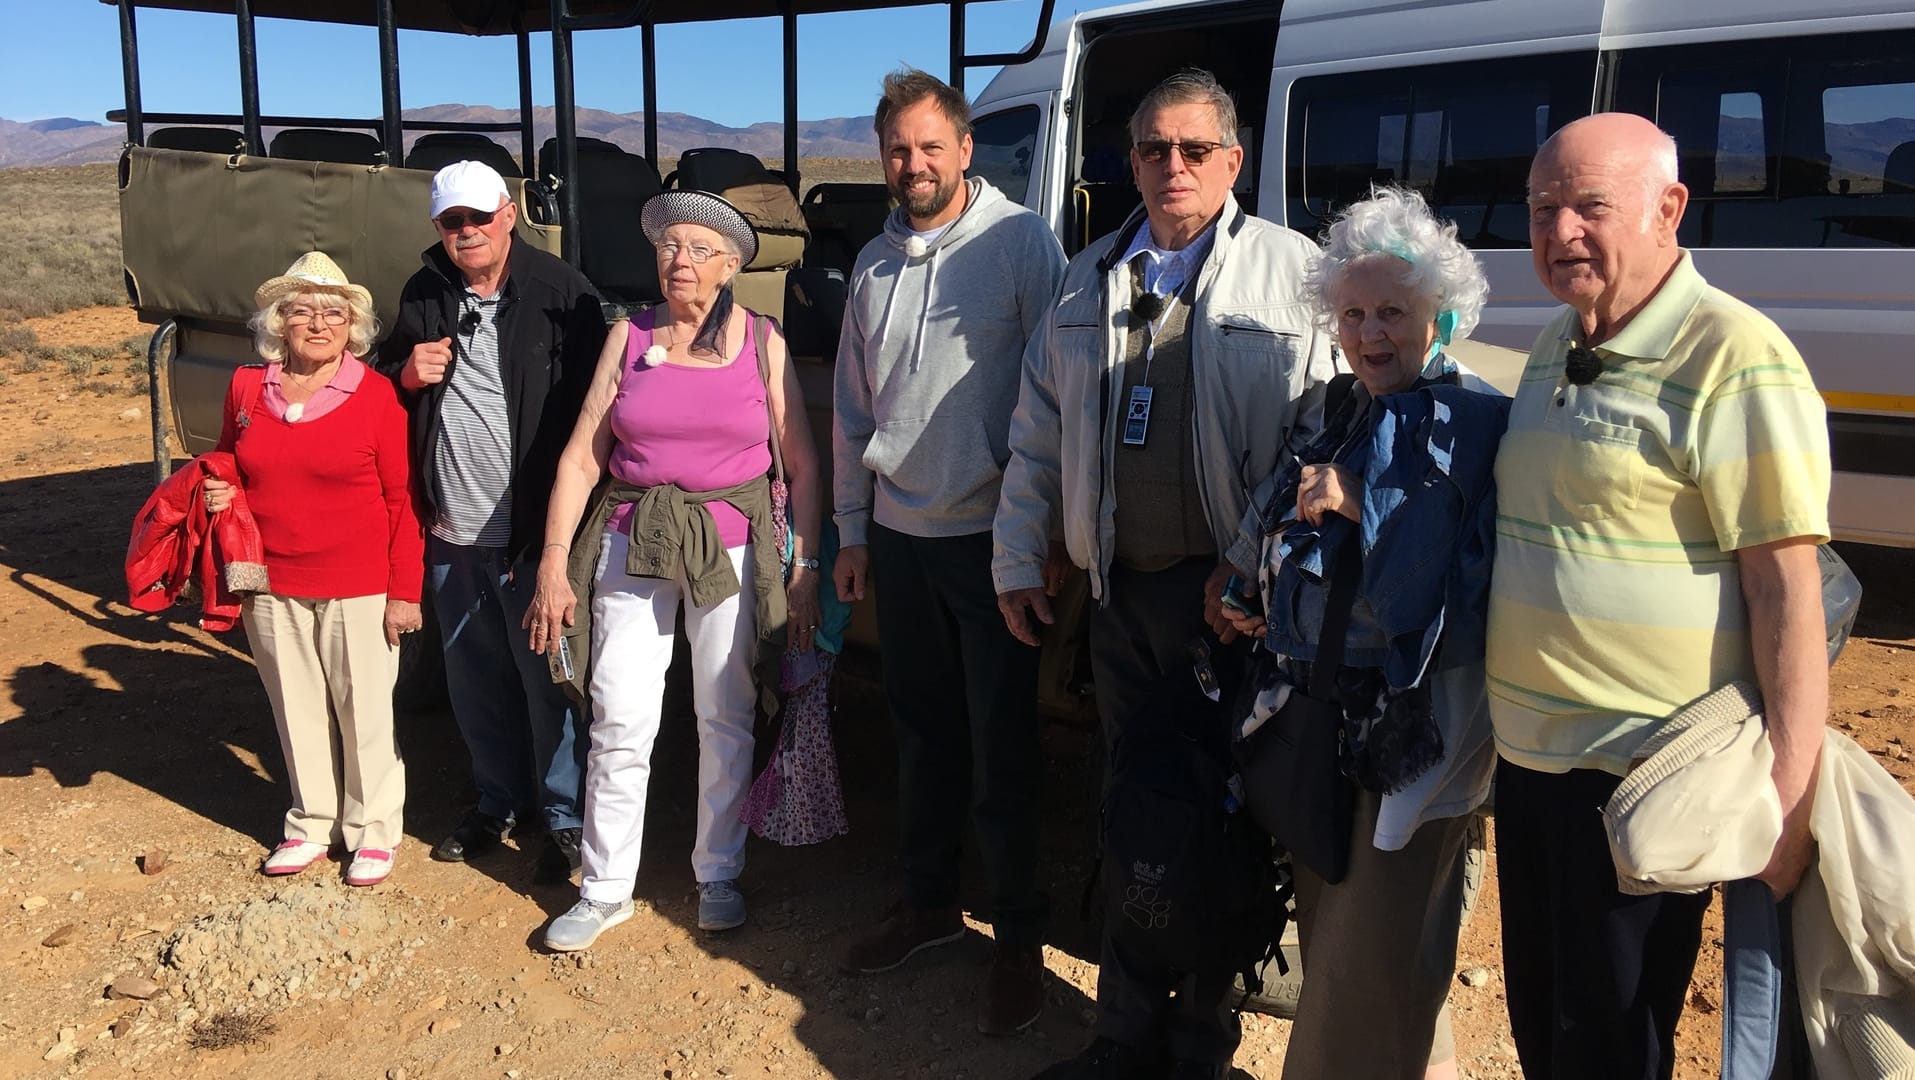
(1346, 567)
(760, 331)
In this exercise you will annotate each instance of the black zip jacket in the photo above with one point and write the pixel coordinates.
(550, 333)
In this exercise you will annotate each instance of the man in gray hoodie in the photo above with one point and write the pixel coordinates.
(928, 370)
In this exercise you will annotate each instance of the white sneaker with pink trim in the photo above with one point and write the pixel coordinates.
(369, 866)
(292, 856)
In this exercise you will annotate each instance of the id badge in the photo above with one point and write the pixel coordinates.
(1137, 418)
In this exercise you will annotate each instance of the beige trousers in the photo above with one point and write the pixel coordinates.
(1379, 952)
(329, 673)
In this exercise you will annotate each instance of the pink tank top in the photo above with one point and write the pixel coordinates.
(699, 428)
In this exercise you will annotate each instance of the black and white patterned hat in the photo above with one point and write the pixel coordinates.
(668, 208)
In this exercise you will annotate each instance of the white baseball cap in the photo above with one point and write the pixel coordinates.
(472, 184)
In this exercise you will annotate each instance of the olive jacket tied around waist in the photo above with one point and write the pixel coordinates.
(672, 533)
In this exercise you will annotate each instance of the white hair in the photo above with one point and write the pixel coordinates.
(1661, 169)
(269, 323)
(1396, 222)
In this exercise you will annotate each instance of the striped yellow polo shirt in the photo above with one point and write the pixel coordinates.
(1620, 506)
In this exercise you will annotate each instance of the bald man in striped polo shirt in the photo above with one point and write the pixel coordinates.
(1660, 495)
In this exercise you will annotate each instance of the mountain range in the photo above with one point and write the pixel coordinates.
(66, 141)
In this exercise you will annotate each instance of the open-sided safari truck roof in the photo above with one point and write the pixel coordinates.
(212, 204)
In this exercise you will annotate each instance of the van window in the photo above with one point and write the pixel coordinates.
(1462, 134)
(1002, 147)
(1804, 142)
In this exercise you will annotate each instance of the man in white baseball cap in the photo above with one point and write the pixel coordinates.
(492, 350)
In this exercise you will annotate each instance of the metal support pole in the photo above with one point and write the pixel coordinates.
(790, 16)
(565, 104)
(393, 133)
(162, 452)
(130, 74)
(528, 139)
(249, 76)
(648, 41)
(957, 45)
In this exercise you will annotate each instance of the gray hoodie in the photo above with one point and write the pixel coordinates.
(929, 365)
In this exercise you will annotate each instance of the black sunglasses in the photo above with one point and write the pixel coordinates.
(1157, 151)
(453, 220)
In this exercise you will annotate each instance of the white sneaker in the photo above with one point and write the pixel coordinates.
(292, 856)
(579, 927)
(369, 866)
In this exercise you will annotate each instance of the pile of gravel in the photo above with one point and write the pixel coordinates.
(310, 941)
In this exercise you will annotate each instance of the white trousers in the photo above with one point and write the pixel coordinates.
(633, 620)
(326, 663)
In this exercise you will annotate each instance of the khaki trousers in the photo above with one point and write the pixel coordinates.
(1379, 952)
(329, 674)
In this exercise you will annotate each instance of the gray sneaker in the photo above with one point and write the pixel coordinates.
(579, 927)
(720, 905)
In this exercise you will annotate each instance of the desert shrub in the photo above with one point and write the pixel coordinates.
(17, 340)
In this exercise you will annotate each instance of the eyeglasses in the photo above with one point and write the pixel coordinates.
(1157, 151)
(699, 253)
(331, 316)
(453, 220)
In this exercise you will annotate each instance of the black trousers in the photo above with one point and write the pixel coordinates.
(1146, 692)
(963, 697)
(1596, 979)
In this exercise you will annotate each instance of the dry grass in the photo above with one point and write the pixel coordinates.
(100, 369)
(61, 245)
(232, 1028)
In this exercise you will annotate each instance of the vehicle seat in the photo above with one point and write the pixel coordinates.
(765, 199)
(325, 144)
(612, 184)
(843, 218)
(435, 150)
(1898, 172)
(206, 140)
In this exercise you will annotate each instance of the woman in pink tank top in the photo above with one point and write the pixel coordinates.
(678, 412)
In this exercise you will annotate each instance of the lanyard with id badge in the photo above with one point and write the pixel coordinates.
(1152, 310)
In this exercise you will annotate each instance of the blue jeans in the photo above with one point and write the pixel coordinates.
(518, 724)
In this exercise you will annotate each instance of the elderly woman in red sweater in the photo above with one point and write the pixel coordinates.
(321, 446)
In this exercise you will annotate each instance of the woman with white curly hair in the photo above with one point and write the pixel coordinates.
(1375, 582)
(320, 444)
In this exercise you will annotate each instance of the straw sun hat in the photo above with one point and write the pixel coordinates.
(313, 271)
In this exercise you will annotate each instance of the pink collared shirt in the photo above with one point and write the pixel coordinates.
(344, 381)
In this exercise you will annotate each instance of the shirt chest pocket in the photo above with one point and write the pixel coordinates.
(1599, 472)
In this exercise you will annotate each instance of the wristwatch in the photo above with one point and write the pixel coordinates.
(808, 564)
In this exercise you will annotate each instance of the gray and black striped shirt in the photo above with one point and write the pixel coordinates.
(474, 452)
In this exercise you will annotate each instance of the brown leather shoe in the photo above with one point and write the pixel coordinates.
(904, 931)
(1013, 991)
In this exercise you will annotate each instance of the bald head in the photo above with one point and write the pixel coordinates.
(1604, 207)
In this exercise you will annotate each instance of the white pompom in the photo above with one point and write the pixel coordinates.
(654, 356)
(916, 247)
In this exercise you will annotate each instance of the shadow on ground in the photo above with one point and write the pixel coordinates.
(162, 706)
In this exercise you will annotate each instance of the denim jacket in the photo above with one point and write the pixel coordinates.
(1427, 530)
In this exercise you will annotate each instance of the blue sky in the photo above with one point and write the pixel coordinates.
(61, 58)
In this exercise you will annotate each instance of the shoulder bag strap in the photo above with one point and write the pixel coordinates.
(760, 331)
(1346, 568)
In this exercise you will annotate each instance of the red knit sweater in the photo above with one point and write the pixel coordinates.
(330, 495)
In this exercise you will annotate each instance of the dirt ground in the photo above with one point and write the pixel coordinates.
(143, 782)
